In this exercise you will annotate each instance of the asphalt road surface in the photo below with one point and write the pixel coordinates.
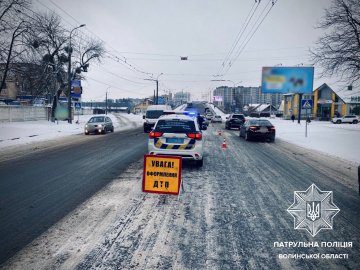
(229, 216)
(39, 188)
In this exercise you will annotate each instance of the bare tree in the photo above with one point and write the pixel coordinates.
(13, 25)
(338, 51)
(87, 51)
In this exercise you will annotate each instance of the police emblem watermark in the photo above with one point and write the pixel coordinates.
(313, 210)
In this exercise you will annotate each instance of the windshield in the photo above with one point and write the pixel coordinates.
(175, 126)
(154, 114)
(96, 119)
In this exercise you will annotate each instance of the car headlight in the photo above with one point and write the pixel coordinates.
(100, 126)
(86, 126)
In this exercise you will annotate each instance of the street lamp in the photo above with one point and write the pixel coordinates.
(106, 100)
(69, 74)
(157, 87)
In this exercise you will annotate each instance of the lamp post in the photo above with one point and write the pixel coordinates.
(157, 87)
(69, 74)
(106, 100)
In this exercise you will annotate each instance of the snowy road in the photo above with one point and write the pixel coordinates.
(231, 213)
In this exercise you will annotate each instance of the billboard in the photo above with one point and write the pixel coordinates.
(287, 80)
(217, 98)
(76, 89)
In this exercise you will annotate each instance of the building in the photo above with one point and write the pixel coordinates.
(24, 83)
(326, 101)
(235, 99)
(181, 98)
(141, 107)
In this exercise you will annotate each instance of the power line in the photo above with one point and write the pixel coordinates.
(133, 67)
(115, 87)
(251, 34)
(120, 77)
(241, 32)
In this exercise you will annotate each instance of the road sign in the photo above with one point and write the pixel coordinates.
(162, 174)
(306, 103)
(78, 106)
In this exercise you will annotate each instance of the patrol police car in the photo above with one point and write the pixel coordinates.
(177, 135)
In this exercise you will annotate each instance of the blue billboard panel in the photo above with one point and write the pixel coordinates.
(287, 80)
(76, 89)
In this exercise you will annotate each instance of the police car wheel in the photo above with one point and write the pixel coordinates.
(199, 163)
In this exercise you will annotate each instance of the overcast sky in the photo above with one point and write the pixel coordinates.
(152, 35)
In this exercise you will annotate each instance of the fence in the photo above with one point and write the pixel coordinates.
(23, 113)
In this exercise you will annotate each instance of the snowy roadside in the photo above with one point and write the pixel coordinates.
(23, 133)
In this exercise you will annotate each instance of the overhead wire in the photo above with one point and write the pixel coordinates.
(123, 62)
(253, 31)
(116, 87)
(82, 40)
(118, 59)
(241, 32)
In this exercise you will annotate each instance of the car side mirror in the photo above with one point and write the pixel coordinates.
(204, 127)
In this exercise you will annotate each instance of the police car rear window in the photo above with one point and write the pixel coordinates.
(175, 126)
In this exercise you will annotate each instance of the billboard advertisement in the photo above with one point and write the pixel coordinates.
(217, 98)
(76, 89)
(287, 80)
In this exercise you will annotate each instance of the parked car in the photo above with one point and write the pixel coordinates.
(257, 128)
(177, 135)
(351, 119)
(234, 120)
(216, 119)
(99, 125)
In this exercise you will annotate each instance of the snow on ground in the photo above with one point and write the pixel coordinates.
(341, 141)
(336, 140)
(20, 133)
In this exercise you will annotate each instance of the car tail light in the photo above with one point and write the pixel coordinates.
(155, 134)
(196, 136)
(271, 129)
(252, 128)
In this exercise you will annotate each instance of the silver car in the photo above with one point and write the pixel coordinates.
(99, 124)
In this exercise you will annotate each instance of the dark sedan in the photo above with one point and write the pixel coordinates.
(257, 129)
(235, 120)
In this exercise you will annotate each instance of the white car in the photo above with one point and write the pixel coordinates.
(216, 119)
(351, 119)
(177, 135)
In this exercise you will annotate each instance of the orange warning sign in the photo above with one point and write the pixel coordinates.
(162, 174)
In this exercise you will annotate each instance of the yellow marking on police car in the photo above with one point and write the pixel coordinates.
(158, 144)
(183, 146)
(161, 145)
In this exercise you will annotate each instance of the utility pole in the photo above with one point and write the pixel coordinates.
(106, 99)
(157, 87)
(299, 107)
(69, 74)
(106, 106)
